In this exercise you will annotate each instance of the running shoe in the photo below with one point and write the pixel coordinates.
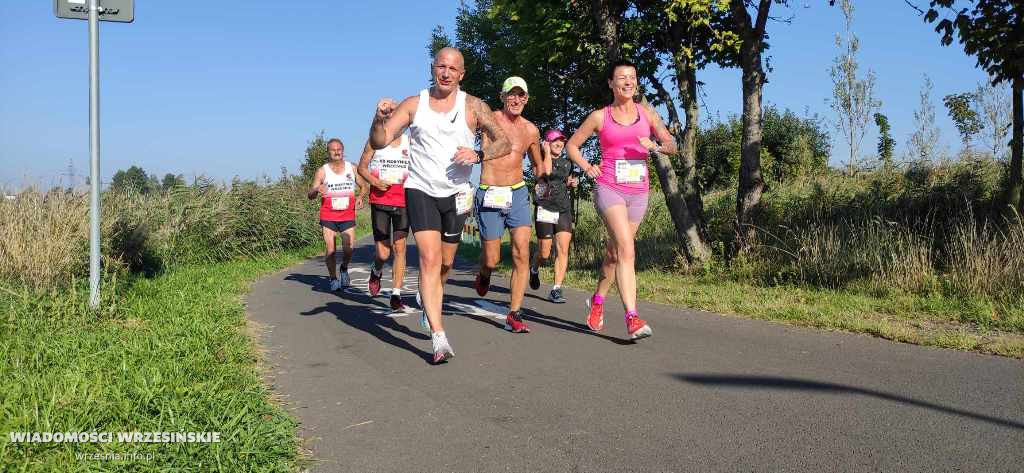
(534, 278)
(596, 318)
(345, 280)
(335, 285)
(482, 284)
(514, 323)
(442, 350)
(424, 321)
(396, 303)
(637, 328)
(374, 283)
(556, 296)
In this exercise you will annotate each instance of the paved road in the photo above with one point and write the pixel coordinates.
(706, 393)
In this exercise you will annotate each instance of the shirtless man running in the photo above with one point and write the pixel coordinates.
(503, 200)
(442, 121)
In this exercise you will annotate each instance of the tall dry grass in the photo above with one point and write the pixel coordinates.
(44, 236)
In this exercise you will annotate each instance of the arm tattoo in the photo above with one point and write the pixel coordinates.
(499, 143)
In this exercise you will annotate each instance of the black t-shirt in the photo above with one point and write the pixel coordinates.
(551, 192)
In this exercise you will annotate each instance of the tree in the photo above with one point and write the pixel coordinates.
(565, 46)
(923, 142)
(992, 104)
(991, 31)
(171, 181)
(793, 146)
(697, 34)
(964, 116)
(133, 179)
(853, 98)
(796, 146)
(886, 143)
(751, 31)
(316, 156)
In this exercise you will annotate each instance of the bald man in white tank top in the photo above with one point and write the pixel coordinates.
(442, 121)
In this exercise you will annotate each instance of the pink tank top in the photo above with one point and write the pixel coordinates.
(621, 143)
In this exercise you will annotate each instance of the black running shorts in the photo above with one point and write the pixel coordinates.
(338, 226)
(547, 230)
(387, 218)
(434, 213)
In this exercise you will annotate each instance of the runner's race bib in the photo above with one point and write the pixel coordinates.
(630, 171)
(339, 203)
(392, 175)
(463, 201)
(498, 197)
(546, 216)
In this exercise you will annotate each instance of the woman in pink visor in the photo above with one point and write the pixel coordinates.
(625, 131)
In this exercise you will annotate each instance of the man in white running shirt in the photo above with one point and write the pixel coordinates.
(442, 121)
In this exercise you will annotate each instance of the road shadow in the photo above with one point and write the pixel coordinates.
(469, 301)
(795, 384)
(316, 282)
(370, 320)
(556, 322)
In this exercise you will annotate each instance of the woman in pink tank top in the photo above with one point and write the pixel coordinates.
(624, 130)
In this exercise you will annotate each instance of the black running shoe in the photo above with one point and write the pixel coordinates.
(534, 278)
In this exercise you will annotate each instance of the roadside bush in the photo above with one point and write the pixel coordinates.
(44, 236)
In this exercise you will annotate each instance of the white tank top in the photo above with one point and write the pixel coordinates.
(391, 164)
(341, 184)
(433, 139)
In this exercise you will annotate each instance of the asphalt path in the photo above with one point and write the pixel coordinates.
(705, 393)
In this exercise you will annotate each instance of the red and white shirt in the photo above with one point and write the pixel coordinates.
(339, 204)
(391, 165)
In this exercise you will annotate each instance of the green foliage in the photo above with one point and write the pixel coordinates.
(171, 181)
(989, 30)
(967, 121)
(791, 147)
(316, 156)
(502, 39)
(886, 144)
(133, 179)
(718, 153)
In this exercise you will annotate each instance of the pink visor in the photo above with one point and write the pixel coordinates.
(553, 135)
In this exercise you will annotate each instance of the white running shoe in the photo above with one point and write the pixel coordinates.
(335, 285)
(442, 350)
(345, 280)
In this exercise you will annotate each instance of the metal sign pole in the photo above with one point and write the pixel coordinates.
(94, 154)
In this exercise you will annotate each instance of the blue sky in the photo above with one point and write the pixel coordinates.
(239, 88)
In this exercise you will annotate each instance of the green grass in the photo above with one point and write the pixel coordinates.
(163, 354)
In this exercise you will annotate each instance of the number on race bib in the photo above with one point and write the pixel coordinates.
(498, 198)
(339, 203)
(392, 175)
(629, 171)
(546, 216)
(463, 202)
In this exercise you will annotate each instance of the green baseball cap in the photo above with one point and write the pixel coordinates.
(513, 82)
